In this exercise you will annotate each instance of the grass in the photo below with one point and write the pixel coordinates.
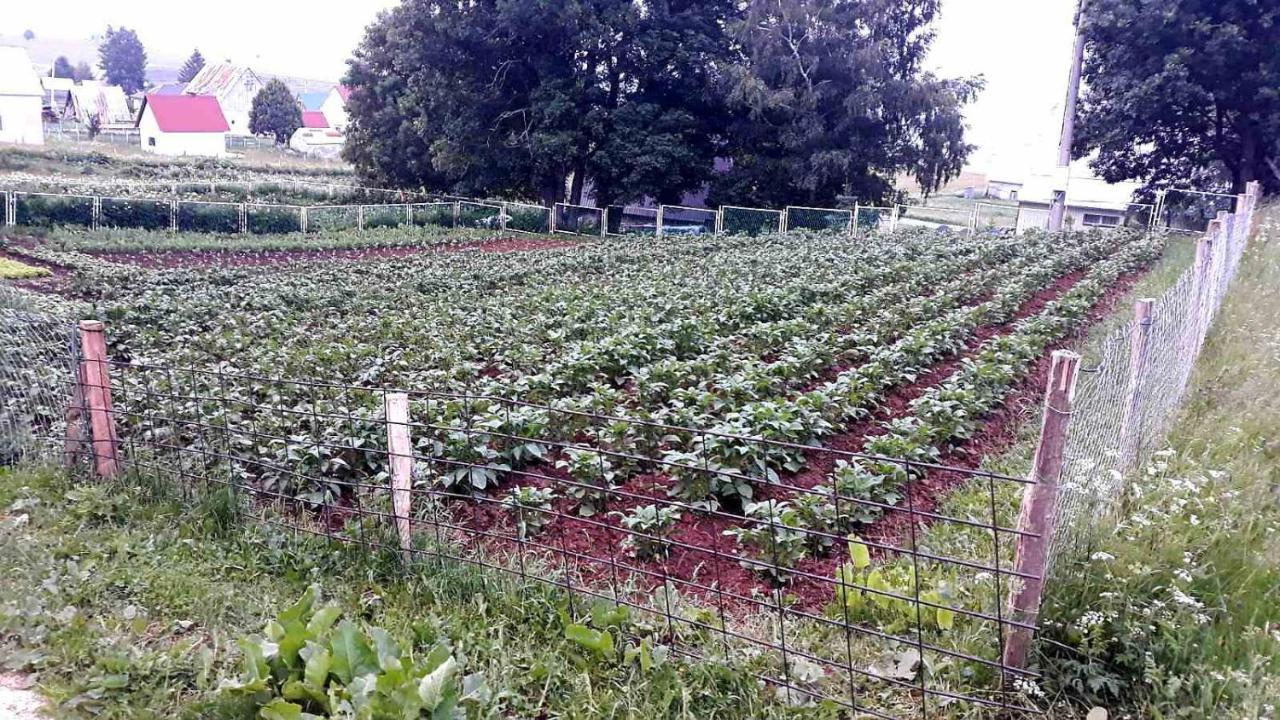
(14, 270)
(128, 605)
(1175, 615)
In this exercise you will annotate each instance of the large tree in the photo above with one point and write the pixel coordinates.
(63, 68)
(517, 97)
(830, 99)
(82, 71)
(123, 59)
(275, 112)
(1183, 92)
(191, 67)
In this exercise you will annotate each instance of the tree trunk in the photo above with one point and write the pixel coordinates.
(579, 178)
(1248, 158)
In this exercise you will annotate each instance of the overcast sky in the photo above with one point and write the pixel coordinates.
(1021, 46)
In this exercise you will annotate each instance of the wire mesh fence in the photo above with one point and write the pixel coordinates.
(1131, 390)
(680, 220)
(818, 219)
(813, 580)
(751, 221)
(38, 361)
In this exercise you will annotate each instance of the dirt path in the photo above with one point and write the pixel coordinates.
(17, 700)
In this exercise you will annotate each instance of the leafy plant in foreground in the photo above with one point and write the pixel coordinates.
(653, 521)
(303, 666)
(777, 537)
(530, 505)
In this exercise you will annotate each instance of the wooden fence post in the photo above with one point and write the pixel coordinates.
(95, 379)
(1199, 289)
(1039, 507)
(853, 220)
(400, 455)
(1139, 342)
(657, 232)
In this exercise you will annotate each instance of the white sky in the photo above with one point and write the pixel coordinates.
(1021, 46)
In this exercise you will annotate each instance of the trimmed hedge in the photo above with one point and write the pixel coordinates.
(208, 217)
(272, 220)
(439, 214)
(383, 216)
(48, 211)
(140, 214)
(327, 219)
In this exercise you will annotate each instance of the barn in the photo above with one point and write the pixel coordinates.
(21, 99)
(335, 107)
(183, 125)
(106, 102)
(234, 86)
(1091, 201)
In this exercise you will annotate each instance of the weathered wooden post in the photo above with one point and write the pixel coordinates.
(400, 455)
(95, 391)
(658, 228)
(1039, 508)
(1199, 290)
(1139, 360)
(853, 220)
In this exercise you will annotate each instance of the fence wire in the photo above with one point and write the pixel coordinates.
(38, 361)
(1129, 393)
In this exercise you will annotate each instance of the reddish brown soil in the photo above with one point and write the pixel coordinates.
(703, 561)
(170, 259)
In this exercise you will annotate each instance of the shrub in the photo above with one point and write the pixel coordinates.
(383, 216)
(590, 469)
(208, 217)
(528, 219)
(268, 220)
(133, 213)
(329, 219)
(440, 214)
(48, 211)
(303, 663)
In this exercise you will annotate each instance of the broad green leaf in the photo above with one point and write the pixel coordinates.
(352, 655)
(318, 660)
(858, 553)
(600, 642)
(387, 650)
(302, 608)
(323, 620)
(431, 690)
(281, 709)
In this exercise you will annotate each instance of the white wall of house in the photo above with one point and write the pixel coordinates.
(155, 140)
(20, 120)
(335, 111)
(237, 102)
(1036, 216)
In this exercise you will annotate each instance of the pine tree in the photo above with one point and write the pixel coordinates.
(123, 59)
(191, 67)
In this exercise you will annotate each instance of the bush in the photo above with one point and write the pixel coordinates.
(269, 220)
(383, 216)
(479, 216)
(48, 211)
(334, 218)
(440, 214)
(528, 219)
(208, 217)
(134, 213)
(747, 221)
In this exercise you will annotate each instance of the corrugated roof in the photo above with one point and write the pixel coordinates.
(312, 100)
(220, 78)
(106, 101)
(1084, 189)
(169, 88)
(17, 74)
(187, 113)
(314, 119)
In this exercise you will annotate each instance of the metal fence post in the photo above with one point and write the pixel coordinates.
(658, 227)
(95, 382)
(1038, 513)
(360, 217)
(457, 212)
(400, 460)
(853, 220)
(173, 215)
(1139, 352)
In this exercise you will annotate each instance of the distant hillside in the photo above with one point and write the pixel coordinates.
(161, 67)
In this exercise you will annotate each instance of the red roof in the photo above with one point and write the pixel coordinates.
(187, 113)
(344, 92)
(314, 119)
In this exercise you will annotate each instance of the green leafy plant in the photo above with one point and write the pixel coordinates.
(531, 508)
(776, 537)
(654, 523)
(591, 470)
(307, 664)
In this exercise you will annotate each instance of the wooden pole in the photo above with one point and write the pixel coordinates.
(1199, 295)
(1039, 507)
(96, 378)
(400, 455)
(1139, 355)
(658, 227)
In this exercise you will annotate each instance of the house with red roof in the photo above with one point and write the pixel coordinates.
(183, 125)
(335, 107)
(314, 119)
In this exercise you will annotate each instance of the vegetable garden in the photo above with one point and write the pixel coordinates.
(707, 431)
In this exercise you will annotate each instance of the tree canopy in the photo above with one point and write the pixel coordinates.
(63, 68)
(1186, 95)
(625, 100)
(123, 59)
(82, 71)
(275, 112)
(191, 67)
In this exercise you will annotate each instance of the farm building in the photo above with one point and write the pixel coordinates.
(56, 93)
(234, 86)
(107, 102)
(21, 99)
(183, 125)
(335, 107)
(1091, 201)
(312, 101)
(317, 142)
(1004, 189)
(169, 88)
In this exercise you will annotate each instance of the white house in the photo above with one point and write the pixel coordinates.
(234, 86)
(57, 91)
(335, 107)
(1004, 189)
(21, 99)
(183, 125)
(1091, 201)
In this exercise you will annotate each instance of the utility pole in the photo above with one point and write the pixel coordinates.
(1058, 207)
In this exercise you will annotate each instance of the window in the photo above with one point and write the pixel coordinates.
(151, 142)
(1096, 220)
